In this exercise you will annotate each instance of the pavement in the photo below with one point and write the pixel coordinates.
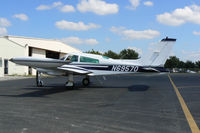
(10, 77)
(111, 104)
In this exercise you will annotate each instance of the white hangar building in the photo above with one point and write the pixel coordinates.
(13, 46)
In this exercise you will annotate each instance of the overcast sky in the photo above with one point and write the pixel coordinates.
(107, 24)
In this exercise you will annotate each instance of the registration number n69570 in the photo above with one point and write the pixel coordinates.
(124, 68)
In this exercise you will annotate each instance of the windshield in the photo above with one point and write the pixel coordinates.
(72, 58)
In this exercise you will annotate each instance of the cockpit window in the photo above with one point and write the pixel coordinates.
(89, 60)
(72, 58)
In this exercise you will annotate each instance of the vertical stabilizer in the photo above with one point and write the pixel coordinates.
(160, 55)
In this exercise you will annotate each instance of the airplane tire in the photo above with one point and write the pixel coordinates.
(67, 85)
(85, 81)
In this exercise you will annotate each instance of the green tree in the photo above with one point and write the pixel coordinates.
(189, 64)
(128, 54)
(93, 52)
(197, 64)
(181, 64)
(111, 54)
(172, 62)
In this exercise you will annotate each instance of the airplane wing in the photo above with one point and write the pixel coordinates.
(74, 69)
(49, 65)
(39, 62)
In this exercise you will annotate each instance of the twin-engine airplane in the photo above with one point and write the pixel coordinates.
(93, 65)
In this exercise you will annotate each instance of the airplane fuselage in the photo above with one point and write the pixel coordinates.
(107, 67)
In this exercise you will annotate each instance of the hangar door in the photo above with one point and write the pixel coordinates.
(5, 66)
(52, 54)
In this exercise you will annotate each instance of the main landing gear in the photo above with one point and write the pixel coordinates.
(39, 82)
(70, 82)
(86, 81)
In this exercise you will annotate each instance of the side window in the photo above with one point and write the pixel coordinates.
(74, 58)
(0, 62)
(89, 60)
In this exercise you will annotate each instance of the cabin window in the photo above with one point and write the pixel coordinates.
(105, 57)
(89, 60)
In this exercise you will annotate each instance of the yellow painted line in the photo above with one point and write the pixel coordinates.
(193, 126)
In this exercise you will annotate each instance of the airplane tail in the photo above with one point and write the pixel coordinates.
(159, 55)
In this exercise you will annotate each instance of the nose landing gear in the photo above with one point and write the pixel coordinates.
(70, 82)
(39, 82)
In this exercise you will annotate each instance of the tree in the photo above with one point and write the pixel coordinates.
(93, 52)
(128, 54)
(181, 64)
(197, 64)
(189, 64)
(172, 62)
(111, 54)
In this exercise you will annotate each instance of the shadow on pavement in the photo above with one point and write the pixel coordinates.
(44, 91)
(49, 90)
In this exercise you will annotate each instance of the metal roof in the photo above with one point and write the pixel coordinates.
(47, 44)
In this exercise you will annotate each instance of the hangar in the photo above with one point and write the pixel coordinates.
(14, 46)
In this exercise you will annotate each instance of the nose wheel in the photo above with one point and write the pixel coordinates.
(70, 82)
(86, 81)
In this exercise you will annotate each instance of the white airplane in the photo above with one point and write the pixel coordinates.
(93, 65)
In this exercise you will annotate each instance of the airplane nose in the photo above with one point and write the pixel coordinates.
(11, 60)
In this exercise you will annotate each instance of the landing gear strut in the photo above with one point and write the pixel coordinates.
(39, 82)
(86, 81)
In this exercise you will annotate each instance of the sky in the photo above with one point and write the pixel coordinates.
(105, 25)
